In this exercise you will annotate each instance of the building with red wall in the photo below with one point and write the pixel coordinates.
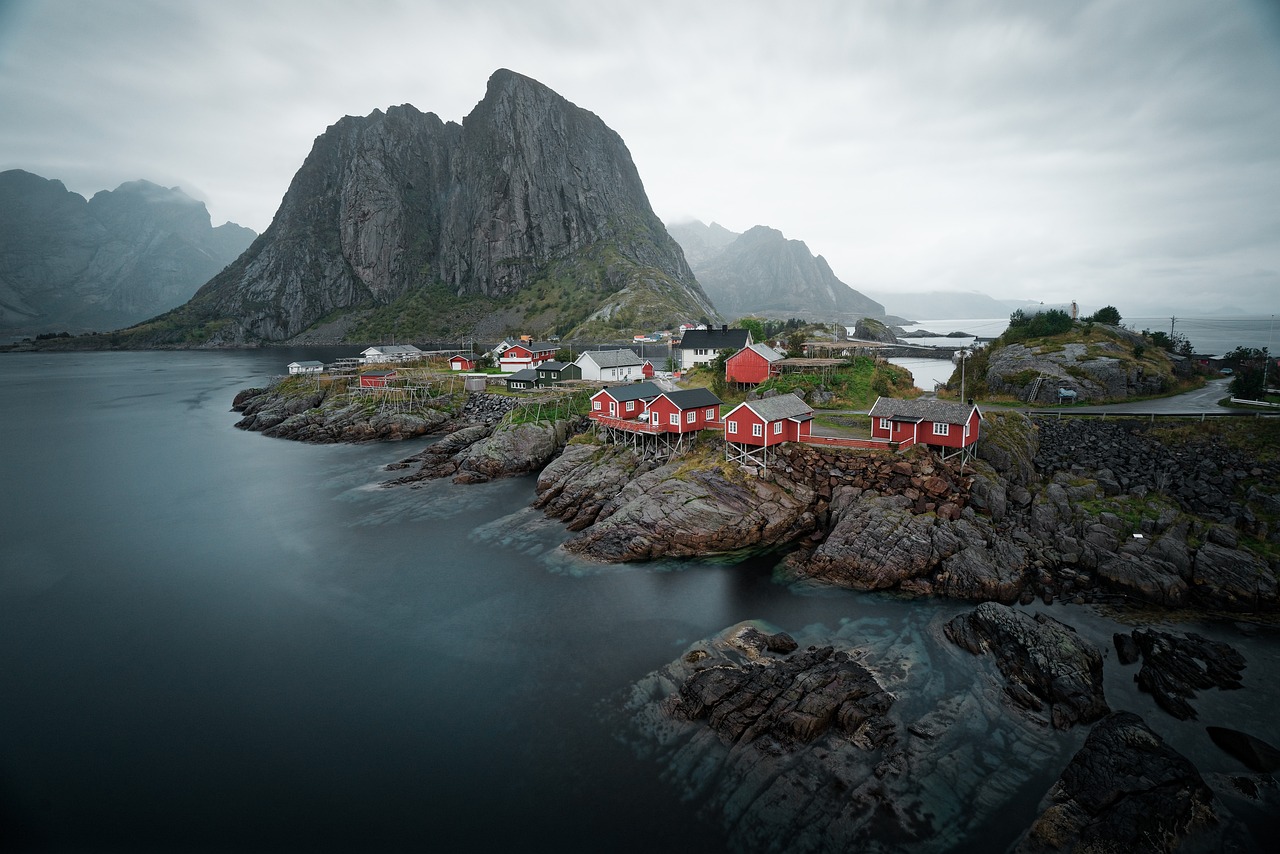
(752, 365)
(685, 411)
(785, 418)
(939, 423)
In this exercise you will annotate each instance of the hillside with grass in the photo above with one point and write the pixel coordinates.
(1039, 355)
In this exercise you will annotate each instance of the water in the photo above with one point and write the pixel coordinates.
(212, 639)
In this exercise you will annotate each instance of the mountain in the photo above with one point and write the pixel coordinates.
(123, 256)
(701, 242)
(529, 216)
(762, 272)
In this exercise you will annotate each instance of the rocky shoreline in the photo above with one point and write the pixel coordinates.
(831, 740)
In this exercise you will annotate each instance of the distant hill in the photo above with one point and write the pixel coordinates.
(67, 264)
(762, 272)
(530, 216)
(947, 305)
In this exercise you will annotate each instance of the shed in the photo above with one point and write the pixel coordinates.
(376, 379)
(462, 363)
(521, 380)
(308, 367)
(554, 372)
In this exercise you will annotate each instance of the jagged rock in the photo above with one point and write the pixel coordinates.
(1125, 790)
(1044, 662)
(516, 449)
(1174, 668)
(528, 187)
(323, 417)
(1232, 579)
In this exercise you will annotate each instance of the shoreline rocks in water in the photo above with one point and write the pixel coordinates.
(1175, 667)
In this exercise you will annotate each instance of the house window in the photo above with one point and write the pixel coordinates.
(675, 419)
(777, 428)
(690, 416)
(733, 426)
(757, 429)
(966, 431)
(941, 429)
(885, 425)
(631, 406)
(711, 415)
(595, 404)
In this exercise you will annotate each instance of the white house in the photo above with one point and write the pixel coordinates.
(390, 353)
(308, 367)
(699, 346)
(610, 365)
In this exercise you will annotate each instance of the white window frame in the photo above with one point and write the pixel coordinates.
(733, 426)
(757, 430)
(595, 404)
(631, 406)
(777, 428)
(941, 428)
(886, 424)
(711, 414)
(690, 416)
(675, 419)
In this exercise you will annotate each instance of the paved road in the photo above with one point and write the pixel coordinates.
(1190, 403)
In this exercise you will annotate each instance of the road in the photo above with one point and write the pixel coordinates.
(1189, 403)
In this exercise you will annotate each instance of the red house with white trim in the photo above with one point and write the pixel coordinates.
(753, 364)
(462, 363)
(647, 369)
(526, 354)
(628, 402)
(376, 379)
(686, 411)
(772, 421)
(931, 422)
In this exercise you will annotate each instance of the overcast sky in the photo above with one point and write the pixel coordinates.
(1113, 152)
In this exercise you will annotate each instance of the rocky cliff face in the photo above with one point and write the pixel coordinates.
(529, 187)
(762, 272)
(123, 256)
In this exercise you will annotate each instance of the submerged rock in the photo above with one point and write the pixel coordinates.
(1044, 662)
(1174, 668)
(1125, 790)
(1257, 754)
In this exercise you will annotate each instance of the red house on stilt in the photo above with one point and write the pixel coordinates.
(948, 427)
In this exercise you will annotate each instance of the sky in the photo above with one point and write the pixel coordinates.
(1111, 152)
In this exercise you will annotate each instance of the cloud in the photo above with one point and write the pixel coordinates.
(1046, 151)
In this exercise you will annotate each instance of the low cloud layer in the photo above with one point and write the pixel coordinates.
(1107, 152)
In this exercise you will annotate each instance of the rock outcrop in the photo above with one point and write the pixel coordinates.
(1176, 667)
(1101, 369)
(322, 417)
(1048, 669)
(761, 272)
(121, 257)
(399, 203)
(1125, 790)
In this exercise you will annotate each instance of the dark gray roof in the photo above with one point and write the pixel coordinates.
(715, 339)
(782, 406)
(693, 398)
(613, 358)
(552, 365)
(526, 375)
(536, 346)
(925, 409)
(638, 391)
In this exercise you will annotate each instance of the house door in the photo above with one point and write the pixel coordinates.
(653, 418)
(613, 408)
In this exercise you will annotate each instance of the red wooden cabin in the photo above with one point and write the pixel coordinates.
(685, 411)
(623, 401)
(753, 364)
(933, 422)
(462, 363)
(785, 418)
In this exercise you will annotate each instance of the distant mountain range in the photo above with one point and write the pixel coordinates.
(67, 264)
(947, 305)
(761, 272)
(529, 216)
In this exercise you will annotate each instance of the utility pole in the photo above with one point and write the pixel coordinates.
(964, 354)
(1172, 321)
(1266, 362)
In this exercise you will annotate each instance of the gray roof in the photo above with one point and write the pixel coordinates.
(612, 358)
(769, 354)
(693, 398)
(394, 349)
(715, 339)
(552, 365)
(637, 391)
(939, 411)
(310, 363)
(536, 346)
(782, 406)
(526, 375)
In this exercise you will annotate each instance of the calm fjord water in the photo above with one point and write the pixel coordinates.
(212, 639)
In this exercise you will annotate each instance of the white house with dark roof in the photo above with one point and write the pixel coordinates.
(385, 354)
(610, 365)
(307, 367)
(699, 346)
